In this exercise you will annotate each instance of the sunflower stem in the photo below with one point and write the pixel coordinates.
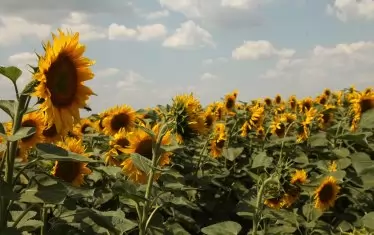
(9, 162)
(44, 229)
(144, 220)
(258, 212)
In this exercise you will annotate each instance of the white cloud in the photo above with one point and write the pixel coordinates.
(240, 4)
(208, 77)
(215, 60)
(338, 66)
(157, 15)
(346, 10)
(14, 29)
(254, 50)
(78, 22)
(131, 81)
(189, 36)
(141, 33)
(108, 72)
(23, 58)
(190, 8)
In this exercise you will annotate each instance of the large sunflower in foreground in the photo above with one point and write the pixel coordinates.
(117, 118)
(326, 194)
(141, 143)
(71, 171)
(62, 71)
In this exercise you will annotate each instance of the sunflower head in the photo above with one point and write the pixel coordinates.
(36, 120)
(60, 75)
(71, 171)
(326, 194)
(277, 99)
(299, 177)
(268, 101)
(230, 100)
(292, 102)
(209, 118)
(306, 104)
(275, 202)
(218, 140)
(119, 117)
(322, 99)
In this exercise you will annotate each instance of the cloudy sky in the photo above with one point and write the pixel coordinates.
(147, 51)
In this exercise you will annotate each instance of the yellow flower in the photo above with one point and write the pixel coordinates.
(245, 129)
(299, 177)
(50, 134)
(218, 141)
(140, 142)
(268, 101)
(119, 117)
(292, 102)
(333, 166)
(278, 99)
(36, 120)
(118, 145)
(326, 194)
(230, 100)
(62, 71)
(209, 118)
(71, 171)
(277, 127)
(303, 133)
(274, 203)
(327, 92)
(305, 104)
(360, 103)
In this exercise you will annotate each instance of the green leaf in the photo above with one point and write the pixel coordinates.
(368, 220)
(341, 152)
(339, 175)
(141, 162)
(261, 160)
(344, 163)
(55, 153)
(367, 120)
(148, 131)
(47, 190)
(11, 231)
(9, 107)
(11, 72)
(176, 229)
(358, 138)
(232, 153)
(282, 229)
(360, 161)
(311, 213)
(23, 132)
(318, 140)
(223, 228)
(109, 170)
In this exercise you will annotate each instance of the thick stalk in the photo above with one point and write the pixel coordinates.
(9, 164)
(44, 228)
(257, 214)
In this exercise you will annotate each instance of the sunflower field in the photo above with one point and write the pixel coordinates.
(266, 166)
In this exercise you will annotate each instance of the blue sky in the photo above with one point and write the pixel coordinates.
(147, 51)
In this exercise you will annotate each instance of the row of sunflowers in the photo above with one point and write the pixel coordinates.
(267, 166)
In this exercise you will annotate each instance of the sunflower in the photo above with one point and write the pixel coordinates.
(119, 117)
(268, 101)
(245, 129)
(218, 141)
(327, 92)
(220, 110)
(292, 102)
(209, 118)
(50, 134)
(277, 99)
(36, 120)
(118, 145)
(299, 177)
(230, 100)
(189, 117)
(256, 115)
(303, 133)
(71, 171)
(332, 166)
(326, 194)
(274, 203)
(62, 71)
(306, 104)
(141, 143)
(322, 99)
(325, 119)
(277, 127)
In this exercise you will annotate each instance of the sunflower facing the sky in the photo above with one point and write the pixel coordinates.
(141, 143)
(71, 171)
(119, 117)
(326, 194)
(62, 71)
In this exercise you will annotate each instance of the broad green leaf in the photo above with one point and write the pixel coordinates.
(223, 228)
(9, 107)
(311, 213)
(302, 158)
(318, 140)
(232, 153)
(339, 175)
(358, 138)
(281, 215)
(280, 230)
(55, 153)
(11, 72)
(109, 170)
(341, 152)
(261, 160)
(344, 163)
(52, 194)
(148, 131)
(367, 120)
(368, 220)
(29, 88)
(176, 229)
(141, 162)
(360, 161)
(23, 132)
